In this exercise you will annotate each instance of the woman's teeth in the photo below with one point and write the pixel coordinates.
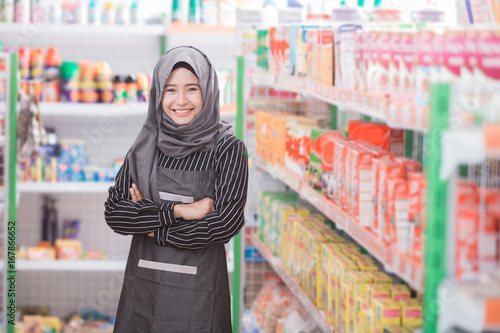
(182, 111)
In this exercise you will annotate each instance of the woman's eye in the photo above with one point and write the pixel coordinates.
(170, 90)
(192, 89)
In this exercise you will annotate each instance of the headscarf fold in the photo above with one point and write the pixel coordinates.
(159, 132)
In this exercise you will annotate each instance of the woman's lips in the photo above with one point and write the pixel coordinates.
(183, 113)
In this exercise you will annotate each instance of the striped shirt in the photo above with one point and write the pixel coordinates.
(219, 226)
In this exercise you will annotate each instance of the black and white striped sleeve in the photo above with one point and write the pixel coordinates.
(128, 218)
(230, 197)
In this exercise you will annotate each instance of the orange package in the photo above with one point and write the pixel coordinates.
(491, 236)
(417, 203)
(375, 133)
(408, 165)
(328, 179)
(362, 187)
(398, 215)
(263, 133)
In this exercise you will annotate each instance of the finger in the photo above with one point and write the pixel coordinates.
(138, 192)
(133, 195)
(151, 234)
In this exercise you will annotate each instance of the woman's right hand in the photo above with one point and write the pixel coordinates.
(194, 211)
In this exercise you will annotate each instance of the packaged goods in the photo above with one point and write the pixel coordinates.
(52, 73)
(359, 283)
(39, 253)
(318, 137)
(36, 72)
(120, 89)
(104, 83)
(490, 236)
(361, 187)
(416, 212)
(382, 83)
(70, 74)
(131, 88)
(399, 292)
(361, 304)
(374, 133)
(376, 291)
(327, 167)
(387, 312)
(325, 71)
(386, 170)
(342, 268)
(411, 312)
(398, 214)
(68, 249)
(297, 52)
(88, 88)
(380, 278)
(7, 12)
(407, 75)
(143, 83)
(24, 68)
(22, 11)
(263, 49)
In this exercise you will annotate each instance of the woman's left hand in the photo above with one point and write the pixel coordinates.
(136, 196)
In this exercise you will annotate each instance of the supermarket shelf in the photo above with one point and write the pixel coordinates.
(2, 140)
(181, 28)
(93, 109)
(363, 103)
(72, 265)
(472, 308)
(394, 262)
(291, 283)
(151, 30)
(63, 187)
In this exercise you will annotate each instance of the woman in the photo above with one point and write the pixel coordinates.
(181, 193)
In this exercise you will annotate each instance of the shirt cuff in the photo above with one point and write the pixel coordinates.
(161, 235)
(166, 214)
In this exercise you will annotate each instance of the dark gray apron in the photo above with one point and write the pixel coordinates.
(175, 290)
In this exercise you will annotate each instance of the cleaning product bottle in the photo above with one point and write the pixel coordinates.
(22, 11)
(143, 87)
(24, 68)
(109, 13)
(135, 13)
(122, 13)
(80, 12)
(7, 12)
(94, 14)
(119, 88)
(70, 73)
(88, 88)
(104, 83)
(131, 88)
(52, 75)
(36, 72)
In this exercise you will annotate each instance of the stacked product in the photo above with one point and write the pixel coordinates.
(64, 162)
(53, 80)
(343, 283)
(364, 173)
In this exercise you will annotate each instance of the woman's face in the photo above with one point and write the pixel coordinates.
(182, 98)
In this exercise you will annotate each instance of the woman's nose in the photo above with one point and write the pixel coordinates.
(181, 98)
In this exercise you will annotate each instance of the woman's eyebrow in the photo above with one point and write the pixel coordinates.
(187, 84)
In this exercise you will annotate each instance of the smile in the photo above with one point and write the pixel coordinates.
(182, 113)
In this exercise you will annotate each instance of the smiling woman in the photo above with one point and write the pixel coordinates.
(182, 97)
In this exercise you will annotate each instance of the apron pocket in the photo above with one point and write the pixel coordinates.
(174, 268)
(166, 196)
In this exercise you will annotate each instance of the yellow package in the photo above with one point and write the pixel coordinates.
(358, 286)
(315, 239)
(380, 278)
(387, 313)
(351, 247)
(299, 251)
(365, 325)
(327, 252)
(358, 257)
(38, 323)
(376, 291)
(333, 236)
(411, 312)
(289, 242)
(399, 292)
(361, 305)
(343, 309)
(68, 249)
(394, 329)
(343, 267)
(366, 266)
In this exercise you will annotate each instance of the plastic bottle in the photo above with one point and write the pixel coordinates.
(36, 72)
(132, 88)
(52, 76)
(54, 12)
(122, 16)
(39, 12)
(68, 12)
(109, 13)
(22, 11)
(7, 12)
(80, 12)
(119, 89)
(104, 83)
(135, 12)
(70, 73)
(88, 87)
(94, 14)
(143, 87)
(24, 68)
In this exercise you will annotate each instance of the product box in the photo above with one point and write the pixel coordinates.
(398, 214)
(384, 55)
(362, 187)
(313, 246)
(318, 137)
(345, 48)
(490, 242)
(407, 75)
(399, 292)
(68, 249)
(41, 324)
(326, 58)
(296, 51)
(361, 305)
(371, 58)
(380, 278)
(358, 286)
(375, 133)
(361, 41)
(343, 313)
(327, 252)
(417, 204)
(408, 165)
(376, 291)
(327, 167)
(394, 66)
(387, 312)
(397, 142)
(38, 253)
(342, 268)
(263, 49)
(302, 51)
(467, 232)
(411, 312)
(340, 157)
(386, 170)
(312, 52)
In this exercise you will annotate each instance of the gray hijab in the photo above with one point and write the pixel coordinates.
(159, 131)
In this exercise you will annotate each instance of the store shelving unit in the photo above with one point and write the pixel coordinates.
(292, 284)
(147, 30)
(93, 109)
(400, 264)
(73, 265)
(64, 187)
